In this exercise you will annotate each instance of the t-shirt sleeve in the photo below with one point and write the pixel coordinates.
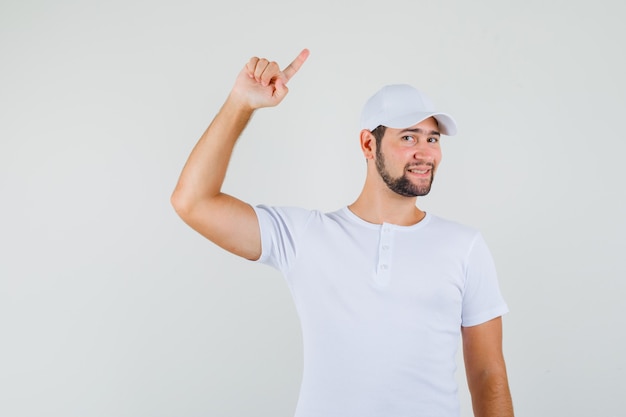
(280, 229)
(482, 299)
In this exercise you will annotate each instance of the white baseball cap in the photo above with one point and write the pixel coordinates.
(401, 105)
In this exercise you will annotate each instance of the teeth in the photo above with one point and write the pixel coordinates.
(419, 171)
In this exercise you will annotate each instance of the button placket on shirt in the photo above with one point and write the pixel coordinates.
(383, 269)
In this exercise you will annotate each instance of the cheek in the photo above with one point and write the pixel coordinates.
(437, 154)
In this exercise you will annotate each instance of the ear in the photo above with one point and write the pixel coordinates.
(368, 144)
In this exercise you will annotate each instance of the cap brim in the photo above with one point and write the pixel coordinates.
(447, 125)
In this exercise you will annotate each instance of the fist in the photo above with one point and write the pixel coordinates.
(261, 83)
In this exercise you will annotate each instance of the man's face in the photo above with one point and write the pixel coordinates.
(408, 158)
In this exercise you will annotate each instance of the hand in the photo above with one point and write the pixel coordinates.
(261, 83)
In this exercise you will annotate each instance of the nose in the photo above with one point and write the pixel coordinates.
(422, 151)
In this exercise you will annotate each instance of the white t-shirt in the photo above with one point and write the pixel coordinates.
(381, 307)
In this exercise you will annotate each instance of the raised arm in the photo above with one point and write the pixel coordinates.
(198, 198)
(486, 370)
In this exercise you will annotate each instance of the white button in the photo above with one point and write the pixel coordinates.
(383, 266)
(385, 247)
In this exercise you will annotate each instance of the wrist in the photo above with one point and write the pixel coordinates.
(237, 104)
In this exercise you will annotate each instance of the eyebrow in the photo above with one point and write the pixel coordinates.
(421, 131)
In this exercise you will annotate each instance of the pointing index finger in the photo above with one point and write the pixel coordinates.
(295, 65)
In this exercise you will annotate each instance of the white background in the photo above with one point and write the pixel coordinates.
(111, 306)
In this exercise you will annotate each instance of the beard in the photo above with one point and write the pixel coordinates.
(402, 185)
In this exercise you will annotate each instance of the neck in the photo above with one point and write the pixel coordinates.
(385, 206)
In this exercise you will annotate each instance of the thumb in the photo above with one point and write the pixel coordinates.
(281, 89)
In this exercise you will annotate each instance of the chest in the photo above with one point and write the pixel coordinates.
(380, 273)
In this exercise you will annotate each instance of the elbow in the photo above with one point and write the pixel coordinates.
(187, 204)
(181, 203)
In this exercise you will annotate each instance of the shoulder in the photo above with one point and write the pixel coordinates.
(283, 210)
(294, 215)
(452, 227)
(456, 236)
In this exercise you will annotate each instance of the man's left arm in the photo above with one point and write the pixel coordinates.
(486, 370)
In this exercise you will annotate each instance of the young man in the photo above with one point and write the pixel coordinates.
(383, 290)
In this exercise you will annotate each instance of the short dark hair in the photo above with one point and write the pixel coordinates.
(378, 133)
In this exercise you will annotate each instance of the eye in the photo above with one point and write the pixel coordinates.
(408, 138)
(433, 140)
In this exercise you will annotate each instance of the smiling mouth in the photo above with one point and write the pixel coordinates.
(420, 170)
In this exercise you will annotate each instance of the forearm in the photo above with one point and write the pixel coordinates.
(204, 172)
(491, 396)
(260, 83)
(486, 369)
